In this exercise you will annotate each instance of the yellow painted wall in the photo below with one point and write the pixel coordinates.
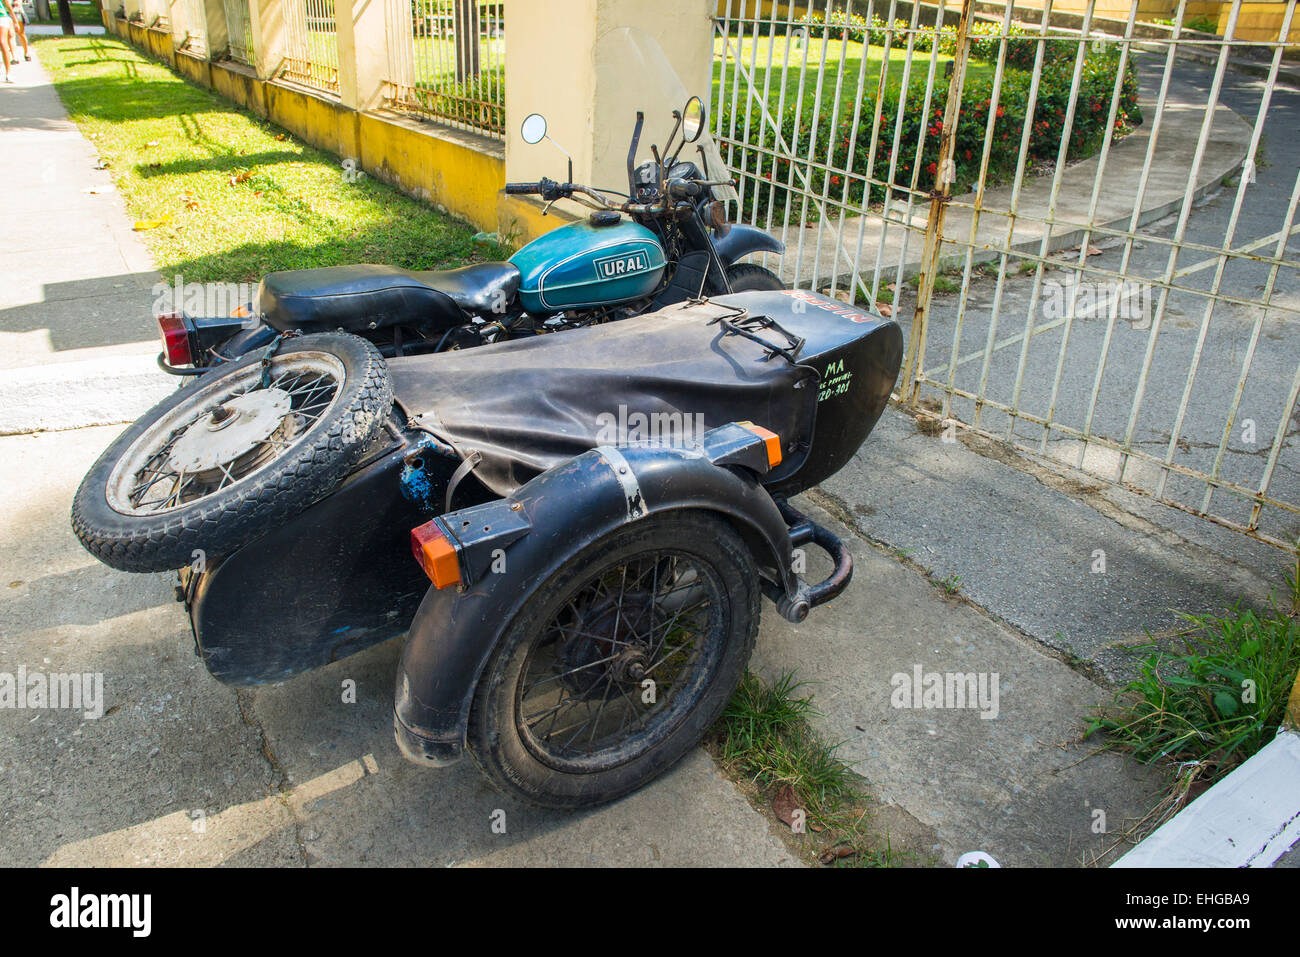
(1261, 22)
(1111, 9)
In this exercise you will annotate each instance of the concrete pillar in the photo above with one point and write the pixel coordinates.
(266, 21)
(215, 29)
(363, 52)
(569, 60)
(131, 8)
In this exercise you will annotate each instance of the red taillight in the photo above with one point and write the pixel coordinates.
(175, 339)
(436, 555)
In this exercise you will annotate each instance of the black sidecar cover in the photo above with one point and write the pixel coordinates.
(666, 377)
(340, 577)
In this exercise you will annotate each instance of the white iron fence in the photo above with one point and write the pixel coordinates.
(1090, 234)
(446, 61)
(311, 44)
(239, 31)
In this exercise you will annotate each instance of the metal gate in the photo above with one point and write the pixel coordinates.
(1086, 225)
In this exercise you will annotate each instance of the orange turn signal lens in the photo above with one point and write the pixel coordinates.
(771, 441)
(436, 555)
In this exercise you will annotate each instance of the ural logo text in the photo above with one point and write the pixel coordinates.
(611, 267)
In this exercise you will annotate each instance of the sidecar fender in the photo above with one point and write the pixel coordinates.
(509, 547)
(742, 240)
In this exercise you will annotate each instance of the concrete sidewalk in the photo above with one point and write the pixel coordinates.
(77, 336)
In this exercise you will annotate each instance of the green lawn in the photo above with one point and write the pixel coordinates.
(82, 13)
(802, 63)
(234, 196)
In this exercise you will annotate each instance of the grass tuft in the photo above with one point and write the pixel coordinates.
(1215, 703)
(764, 737)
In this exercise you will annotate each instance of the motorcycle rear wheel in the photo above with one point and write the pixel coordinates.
(563, 715)
(215, 465)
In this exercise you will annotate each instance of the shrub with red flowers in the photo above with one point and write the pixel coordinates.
(920, 131)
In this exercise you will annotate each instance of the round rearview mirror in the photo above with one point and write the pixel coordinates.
(534, 128)
(693, 119)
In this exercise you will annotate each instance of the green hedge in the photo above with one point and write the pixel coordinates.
(810, 139)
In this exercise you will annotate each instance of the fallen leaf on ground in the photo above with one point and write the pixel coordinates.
(191, 204)
(785, 804)
(152, 143)
(281, 137)
(885, 309)
(151, 223)
(243, 177)
(833, 854)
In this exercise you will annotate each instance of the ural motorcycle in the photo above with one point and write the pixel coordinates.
(667, 240)
(574, 532)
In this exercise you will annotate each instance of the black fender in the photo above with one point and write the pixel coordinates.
(742, 240)
(546, 523)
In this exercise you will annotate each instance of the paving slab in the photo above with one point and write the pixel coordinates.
(1018, 783)
(1024, 543)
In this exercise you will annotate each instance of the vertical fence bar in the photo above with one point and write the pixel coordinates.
(930, 256)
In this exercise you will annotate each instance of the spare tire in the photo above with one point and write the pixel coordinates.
(214, 466)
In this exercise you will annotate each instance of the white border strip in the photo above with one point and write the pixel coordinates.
(1248, 819)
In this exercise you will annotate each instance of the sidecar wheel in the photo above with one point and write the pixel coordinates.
(619, 663)
(214, 466)
(750, 277)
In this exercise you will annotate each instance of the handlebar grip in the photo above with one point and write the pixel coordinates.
(523, 187)
(683, 189)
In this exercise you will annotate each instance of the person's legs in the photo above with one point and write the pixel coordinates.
(6, 45)
(21, 30)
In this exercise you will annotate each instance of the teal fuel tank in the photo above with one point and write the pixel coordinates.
(581, 265)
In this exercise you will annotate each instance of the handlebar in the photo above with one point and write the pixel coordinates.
(550, 191)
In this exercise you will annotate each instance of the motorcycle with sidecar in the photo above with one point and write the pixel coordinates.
(575, 533)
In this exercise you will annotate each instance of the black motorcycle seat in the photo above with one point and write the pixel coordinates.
(368, 296)
(481, 288)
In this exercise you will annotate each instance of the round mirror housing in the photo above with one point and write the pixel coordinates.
(693, 119)
(533, 129)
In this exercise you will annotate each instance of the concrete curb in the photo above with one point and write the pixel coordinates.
(1248, 819)
(73, 395)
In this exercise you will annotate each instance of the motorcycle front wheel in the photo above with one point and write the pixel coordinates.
(750, 277)
(619, 663)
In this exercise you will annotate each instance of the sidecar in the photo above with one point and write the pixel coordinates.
(565, 524)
